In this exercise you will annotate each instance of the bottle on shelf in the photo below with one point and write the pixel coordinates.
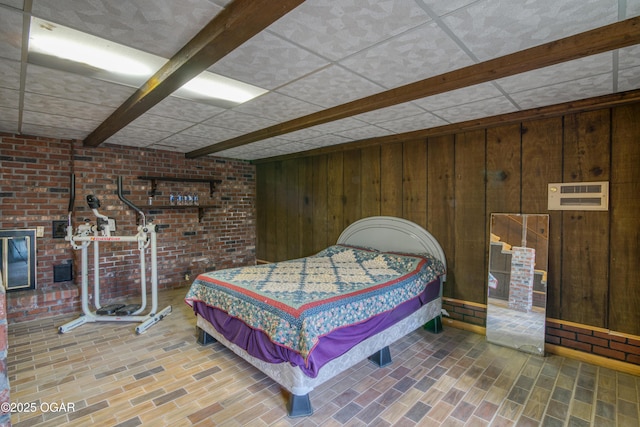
(172, 199)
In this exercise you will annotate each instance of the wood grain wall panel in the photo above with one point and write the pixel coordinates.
(272, 184)
(294, 215)
(503, 170)
(414, 181)
(335, 196)
(305, 206)
(542, 164)
(624, 291)
(592, 271)
(470, 218)
(441, 200)
(585, 234)
(280, 212)
(352, 187)
(320, 203)
(391, 179)
(370, 194)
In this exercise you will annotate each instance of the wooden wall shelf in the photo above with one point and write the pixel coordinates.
(154, 186)
(154, 182)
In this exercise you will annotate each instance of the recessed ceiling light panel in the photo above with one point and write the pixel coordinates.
(59, 47)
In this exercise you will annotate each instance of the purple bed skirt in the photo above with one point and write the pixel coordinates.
(330, 346)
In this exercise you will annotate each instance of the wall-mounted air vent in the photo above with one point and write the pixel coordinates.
(579, 196)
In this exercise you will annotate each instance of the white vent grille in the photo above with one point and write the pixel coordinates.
(579, 196)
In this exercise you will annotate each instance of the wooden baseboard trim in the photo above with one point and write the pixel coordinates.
(480, 330)
(459, 301)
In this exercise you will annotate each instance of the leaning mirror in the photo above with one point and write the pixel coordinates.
(517, 281)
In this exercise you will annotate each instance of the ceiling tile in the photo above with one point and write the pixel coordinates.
(136, 133)
(277, 107)
(59, 121)
(338, 29)
(440, 7)
(423, 52)
(565, 92)
(633, 8)
(629, 79)
(268, 61)
(53, 131)
(183, 109)
(66, 107)
(629, 56)
(330, 87)
(127, 141)
(475, 110)
(151, 121)
(398, 111)
(296, 147)
(9, 114)
(17, 4)
(327, 140)
(10, 34)
(408, 124)
(10, 72)
(9, 98)
(10, 126)
(236, 120)
(212, 133)
(160, 27)
(493, 28)
(182, 143)
(72, 86)
(459, 97)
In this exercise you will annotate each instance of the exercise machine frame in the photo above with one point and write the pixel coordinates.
(88, 233)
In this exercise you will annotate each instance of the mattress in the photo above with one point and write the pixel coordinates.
(312, 310)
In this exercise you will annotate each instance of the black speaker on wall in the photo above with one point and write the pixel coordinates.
(63, 272)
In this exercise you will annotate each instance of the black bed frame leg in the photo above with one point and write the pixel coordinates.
(203, 337)
(434, 325)
(299, 406)
(382, 358)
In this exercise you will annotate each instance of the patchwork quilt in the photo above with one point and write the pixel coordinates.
(296, 302)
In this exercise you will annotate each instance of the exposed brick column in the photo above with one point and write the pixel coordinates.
(521, 284)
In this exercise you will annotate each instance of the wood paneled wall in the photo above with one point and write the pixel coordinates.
(451, 184)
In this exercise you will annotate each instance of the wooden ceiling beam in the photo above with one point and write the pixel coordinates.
(234, 25)
(614, 36)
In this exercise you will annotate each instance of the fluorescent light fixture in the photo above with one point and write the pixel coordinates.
(215, 86)
(61, 42)
(55, 46)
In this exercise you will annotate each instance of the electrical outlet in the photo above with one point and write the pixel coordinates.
(40, 231)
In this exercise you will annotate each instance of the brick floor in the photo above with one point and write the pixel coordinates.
(105, 374)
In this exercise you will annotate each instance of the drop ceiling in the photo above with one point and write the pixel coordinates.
(321, 55)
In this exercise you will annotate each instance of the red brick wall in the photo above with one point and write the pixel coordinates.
(594, 341)
(34, 191)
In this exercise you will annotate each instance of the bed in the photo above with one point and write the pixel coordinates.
(304, 321)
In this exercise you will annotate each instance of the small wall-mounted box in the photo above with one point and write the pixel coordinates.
(579, 196)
